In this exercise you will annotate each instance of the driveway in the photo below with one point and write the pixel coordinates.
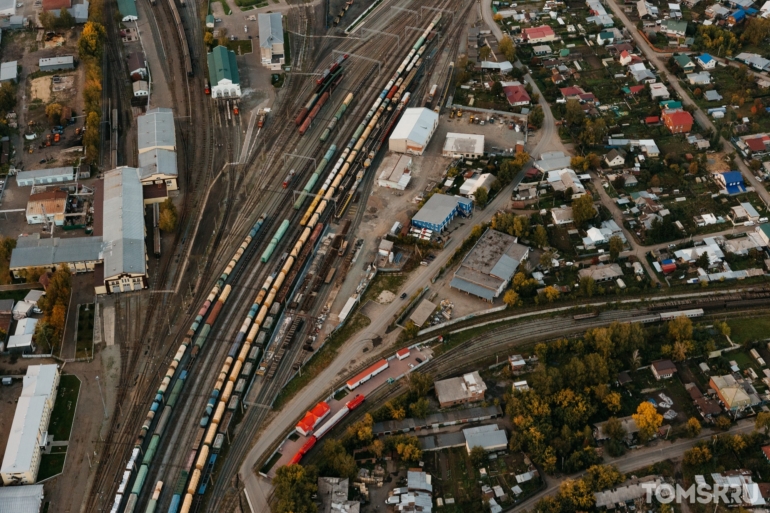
(700, 117)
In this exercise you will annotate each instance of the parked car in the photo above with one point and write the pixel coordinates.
(403, 296)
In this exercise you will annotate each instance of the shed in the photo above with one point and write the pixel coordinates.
(45, 176)
(422, 312)
(57, 63)
(9, 71)
(33, 296)
(20, 343)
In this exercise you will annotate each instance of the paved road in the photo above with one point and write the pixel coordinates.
(659, 60)
(659, 451)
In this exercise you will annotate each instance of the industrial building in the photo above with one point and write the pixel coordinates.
(223, 73)
(127, 9)
(470, 146)
(137, 65)
(440, 210)
(56, 5)
(396, 172)
(489, 437)
(157, 152)
(125, 258)
(45, 176)
(413, 131)
(471, 185)
(333, 494)
(271, 39)
(468, 388)
(7, 8)
(30, 425)
(9, 71)
(21, 499)
(57, 63)
(80, 254)
(489, 266)
(46, 207)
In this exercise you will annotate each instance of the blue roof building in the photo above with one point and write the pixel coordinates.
(439, 211)
(732, 181)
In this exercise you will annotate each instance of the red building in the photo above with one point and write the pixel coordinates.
(678, 121)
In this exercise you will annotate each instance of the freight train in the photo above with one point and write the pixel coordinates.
(194, 339)
(324, 87)
(337, 115)
(263, 302)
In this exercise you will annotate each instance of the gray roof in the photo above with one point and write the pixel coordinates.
(56, 61)
(123, 248)
(270, 29)
(156, 130)
(442, 441)
(80, 12)
(6, 306)
(458, 416)
(438, 208)
(158, 161)
(712, 95)
(471, 288)
(489, 440)
(21, 499)
(35, 252)
(552, 161)
(8, 71)
(46, 173)
(492, 261)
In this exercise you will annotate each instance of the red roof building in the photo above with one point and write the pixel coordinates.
(367, 374)
(756, 144)
(636, 89)
(403, 353)
(652, 120)
(517, 95)
(50, 5)
(766, 451)
(539, 34)
(678, 121)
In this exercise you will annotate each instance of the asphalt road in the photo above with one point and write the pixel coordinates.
(640, 458)
(658, 60)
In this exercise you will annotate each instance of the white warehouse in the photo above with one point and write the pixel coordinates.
(470, 146)
(414, 130)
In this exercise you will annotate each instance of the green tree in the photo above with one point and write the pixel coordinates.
(757, 30)
(481, 196)
(478, 456)
(411, 330)
(168, 216)
(536, 116)
(53, 112)
(420, 408)
(7, 96)
(587, 286)
(703, 261)
(602, 477)
(336, 461)
(723, 423)
(614, 429)
(293, 487)
(497, 88)
(521, 226)
(616, 246)
(420, 384)
(648, 420)
(693, 427)
(47, 20)
(66, 20)
(484, 53)
(574, 114)
(583, 210)
(762, 421)
(540, 236)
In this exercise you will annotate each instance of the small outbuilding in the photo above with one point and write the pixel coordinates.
(57, 63)
(9, 71)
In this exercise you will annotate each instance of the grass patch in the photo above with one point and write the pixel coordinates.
(85, 334)
(59, 449)
(286, 49)
(384, 281)
(240, 46)
(50, 465)
(251, 3)
(225, 7)
(277, 79)
(64, 410)
(743, 331)
(272, 461)
(321, 359)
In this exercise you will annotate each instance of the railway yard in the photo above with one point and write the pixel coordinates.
(297, 269)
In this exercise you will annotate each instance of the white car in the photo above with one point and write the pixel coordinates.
(245, 28)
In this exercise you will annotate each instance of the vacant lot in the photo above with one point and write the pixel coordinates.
(744, 331)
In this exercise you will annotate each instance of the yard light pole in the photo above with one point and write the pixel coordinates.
(102, 396)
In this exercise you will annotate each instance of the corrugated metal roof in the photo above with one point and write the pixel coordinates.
(158, 161)
(472, 288)
(438, 208)
(222, 66)
(21, 499)
(24, 434)
(8, 71)
(156, 130)
(39, 379)
(489, 440)
(270, 29)
(68, 173)
(123, 216)
(56, 61)
(416, 125)
(48, 252)
(128, 8)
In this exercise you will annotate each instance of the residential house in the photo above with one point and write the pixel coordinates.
(755, 61)
(678, 121)
(706, 61)
(659, 92)
(674, 28)
(563, 215)
(717, 12)
(625, 58)
(541, 34)
(684, 62)
(600, 273)
(566, 179)
(663, 369)
(516, 94)
(730, 392)
(615, 158)
(628, 423)
(736, 18)
(646, 10)
(731, 181)
(577, 93)
(712, 96)
(702, 78)
(641, 74)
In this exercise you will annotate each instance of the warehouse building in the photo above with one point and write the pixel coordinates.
(489, 266)
(489, 437)
(157, 150)
(271, 40)
(413, 131)
(21, 499)
(30, 425)
(440, 210)
(80, 254)
(474, 183)
(9, 71)
(125, 258)
(223, 73)
(470, 146)
(57, 63)
(396, 172)
(128, 10)
(7, 8)
(46, 207)
(468, 388)
(45, 176)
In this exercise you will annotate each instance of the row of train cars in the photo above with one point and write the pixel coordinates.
(244, 349)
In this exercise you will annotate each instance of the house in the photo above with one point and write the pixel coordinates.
(541, 50)
(685, 63)
(674, 28)
(678, 121)
(535, 35)
(140, 88)
(137, 65)
(717, 12)
(642, 75)
(9, 71)
(564, 180)
(731, 181)
(629, 426)
(744, 212)
(663, 369)
(646, 10)
(605, 37)
(702, 78)
(615, 158)
(516, 94)
(577, 93)
(755, 61)
(625, 58)
(659, 92)
(223, 73)
(712, 96)
(763, 230)
(562, 215)
(467, 388)
(271, 42)
(706, 61)
(600, 273)
(736, 18)
(730, 392)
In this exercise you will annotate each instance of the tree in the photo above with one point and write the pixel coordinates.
(377, 448)
(293, 487)
(521, 226)
(478, 456)
(66, 20)
(396, 412)
(536, 117)
(681, 349)
(680, 328)
(420, 384)
(420, 408)
(484, 53)
(481, 196)
(507, 48)
(91, 40)
(540, 236)
(593, 133)
(723, 423)
(612, 402)
(703, 261)
(616, 246)
(546, 260)
(47, 20)
(337, 461)
(602, 477)
(497, 88)
(208, 39)
(693, 427)
(614, 429)
(551, 294)
(361, 431)
(408, 448)
(762, 421)
(574, 114)
(583, 210)
(587, 286)
(91, 137)
(648, 420)
(53, 112)
(697, 456)
(511, 299)
(411, 330)
(168, 216)
(7, 96)
(693, 169)
(757, 30)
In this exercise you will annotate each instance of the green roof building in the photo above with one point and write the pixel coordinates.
(223, 73)
(127, 10)
(684, 62)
